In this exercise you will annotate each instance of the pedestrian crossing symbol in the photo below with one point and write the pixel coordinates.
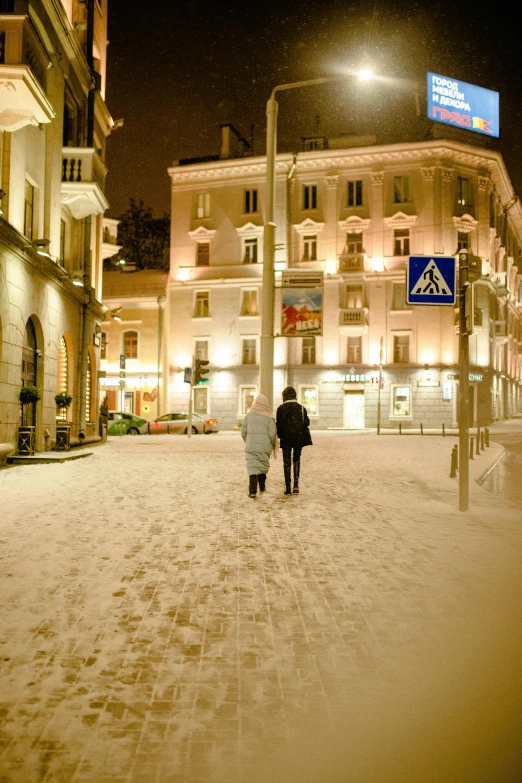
(431, 280)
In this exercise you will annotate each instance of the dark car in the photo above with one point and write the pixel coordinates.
(177, 424)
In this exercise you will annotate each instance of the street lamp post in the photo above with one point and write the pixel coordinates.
(266, 366)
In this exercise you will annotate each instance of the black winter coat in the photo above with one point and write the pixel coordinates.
(292, 425)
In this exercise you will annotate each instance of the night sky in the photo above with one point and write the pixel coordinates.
(176, 70)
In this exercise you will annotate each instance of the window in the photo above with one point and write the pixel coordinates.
(103, 346)
(354, 244)
(246, 399)
(309, 196)
(249, 350)
(202, 304)
(400, 401)
(250, 256)
(308, 398)
(202, 253)
(88, 391)
(310, 248)
(250, 201)
(353, 294)
(6, 7)
(249, 302)
(29, 209)
(401, 189)
(354, 350)
(308, 346)
(463, 191)
(355, 198)
(401, 348)
(63, 377)
(202, 205)
(401, 242)
(399, 297)
(462, 240)
(201, 349)
(62, 242)
(130, 345)
(201, 400)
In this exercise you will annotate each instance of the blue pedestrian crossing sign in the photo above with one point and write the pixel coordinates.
(431, 280)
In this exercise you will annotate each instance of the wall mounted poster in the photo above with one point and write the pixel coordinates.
(302, 312)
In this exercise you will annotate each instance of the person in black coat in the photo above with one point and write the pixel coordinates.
(293, 432)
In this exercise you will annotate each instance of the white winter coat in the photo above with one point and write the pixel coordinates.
(259, 434)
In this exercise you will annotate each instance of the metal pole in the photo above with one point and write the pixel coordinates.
(266, 365)
(463, 386)
(189, 426)
(379, 389)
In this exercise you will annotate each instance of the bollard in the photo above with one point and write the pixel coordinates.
(482, 440)
(454, 461)
(486, 431)
(478, 440)
(422, 431)
(443, 431)
(471, 449)
(400, 428)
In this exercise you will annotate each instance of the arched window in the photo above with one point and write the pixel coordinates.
(63, 377)
(88, 390)
(130, 345)
(29, 364)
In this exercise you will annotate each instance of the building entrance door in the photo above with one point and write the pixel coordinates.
(354, 410)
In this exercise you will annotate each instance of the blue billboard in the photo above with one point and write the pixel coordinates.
(463, 105)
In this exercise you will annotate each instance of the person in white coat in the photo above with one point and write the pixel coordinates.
(259, 433)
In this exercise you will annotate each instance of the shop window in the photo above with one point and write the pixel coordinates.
(308, 397)
(401, 401)
(200, 400)
(247, 395)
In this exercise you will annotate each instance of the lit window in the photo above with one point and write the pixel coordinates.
(249, 302)
(202, 253)
(63, 377)
(463, 191)
(308, 355)
(248, 395)
(399, 297)
(202, 304)
(201, 400)
(308, 398)
(250, 201)
(130, 345)
(202, 205)
(462, 240)
(310, 248)
(354, 244)
(309, 196)
(353, 296)
(29, 209)
(354, 350)
(250, 256)
(249, 350)
(103, 346)
(355, 193)
(401, 401)
(401, 242)
(401, 348)
(401, 189)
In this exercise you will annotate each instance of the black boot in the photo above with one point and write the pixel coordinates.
(252, 486)
(295, 490)
(288, 476)
(262, 482)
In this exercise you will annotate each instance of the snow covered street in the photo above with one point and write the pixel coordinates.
(158, 625)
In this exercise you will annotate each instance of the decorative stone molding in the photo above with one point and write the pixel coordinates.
(332, 180)
(202, 234)
(447, 174)
(428, 173)
(354, 225)
(483, 182)
(377, 177)
(400, 220)
(308, 226)
(250, 230)
(465, 223)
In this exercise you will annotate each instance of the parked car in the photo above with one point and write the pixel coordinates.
(177, 423)
(126, 424)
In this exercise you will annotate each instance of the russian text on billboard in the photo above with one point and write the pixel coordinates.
(463, 105)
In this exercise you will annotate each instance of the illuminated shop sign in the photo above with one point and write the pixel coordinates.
(351, 378)
(474, 377)
(463, 105)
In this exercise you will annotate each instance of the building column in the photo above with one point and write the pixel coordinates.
(377, 214)
(430, 224)
(484, 188)
(445, 219)
(331, 215)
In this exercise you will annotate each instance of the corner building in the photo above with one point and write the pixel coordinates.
(53, 128)
(354, 211)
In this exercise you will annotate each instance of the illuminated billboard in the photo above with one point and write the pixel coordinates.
(463, 105)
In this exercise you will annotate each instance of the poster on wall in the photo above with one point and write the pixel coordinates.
(463, 105)
(302, 304)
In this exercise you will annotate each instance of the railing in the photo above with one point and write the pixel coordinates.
(352, 317)
(82, 164)
(351, 263)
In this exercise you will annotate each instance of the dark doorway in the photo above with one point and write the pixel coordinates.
(29, 359)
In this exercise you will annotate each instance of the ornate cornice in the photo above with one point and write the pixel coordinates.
(308, 225)
(250, 230)
(377, 177)
(400, 220)
(354, 225)
(447, 174)
(465, 223)
(428, 173)
(202, 234)
(332, 180)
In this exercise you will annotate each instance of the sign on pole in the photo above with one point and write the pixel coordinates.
(431, 280)
(122, 361)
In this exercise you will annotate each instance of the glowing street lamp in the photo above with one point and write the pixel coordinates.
(266, 364)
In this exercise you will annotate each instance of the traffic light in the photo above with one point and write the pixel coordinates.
(200, 371)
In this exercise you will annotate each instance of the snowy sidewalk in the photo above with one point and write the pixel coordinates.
(158, 625)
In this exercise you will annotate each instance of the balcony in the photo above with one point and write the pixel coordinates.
(83, 182)
(23, 63)
(353, 316)
(500, 328)
(351, 262)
